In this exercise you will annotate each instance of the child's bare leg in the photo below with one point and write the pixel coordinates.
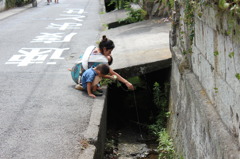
(94, 88)
(96, 80)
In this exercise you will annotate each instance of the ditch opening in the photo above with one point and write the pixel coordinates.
(117, 24)
(110, 5)
(129, 115)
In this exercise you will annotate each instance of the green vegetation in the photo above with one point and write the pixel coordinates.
(227, 9)
(230, 5)
(216, 53)
(238, 76)
(16, 3)
(216, 90)
(231, 54)
(10, 3)
(135, 15)
(165, 148)
(160, 99)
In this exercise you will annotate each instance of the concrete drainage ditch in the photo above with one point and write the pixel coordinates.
(129, 113)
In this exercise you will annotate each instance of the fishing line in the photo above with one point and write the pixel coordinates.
(135, 103)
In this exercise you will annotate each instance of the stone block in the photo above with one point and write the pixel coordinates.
(220, 63)
(209, 44)
(225, 100)
(209, 17)
(235, 114)
(224, 22)
(236, 66)
(232, 64)
(237, 56)
(196, 62)
(231, 70)
(199, 35)
(207, 77)
(176, 76)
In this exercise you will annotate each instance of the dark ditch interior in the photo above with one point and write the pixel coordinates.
(129, 114)
(117, 24)
(110, 5)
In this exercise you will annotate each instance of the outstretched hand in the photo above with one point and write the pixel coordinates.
(129, 86)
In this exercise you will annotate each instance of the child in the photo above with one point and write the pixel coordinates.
(91, 77)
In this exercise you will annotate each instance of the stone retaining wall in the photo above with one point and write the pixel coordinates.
(205, 92)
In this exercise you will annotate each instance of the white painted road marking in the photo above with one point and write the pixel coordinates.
(53, 38)
(35, 55)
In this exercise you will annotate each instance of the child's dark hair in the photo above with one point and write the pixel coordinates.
(103, 68)
(106, 43)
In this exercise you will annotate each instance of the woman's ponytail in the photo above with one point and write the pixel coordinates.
(106, 43)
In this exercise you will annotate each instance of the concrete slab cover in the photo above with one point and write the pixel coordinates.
(140, 43)
(113, 16)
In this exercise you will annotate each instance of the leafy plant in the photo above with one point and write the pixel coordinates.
(135, 15)
(165, 148)
(10, 3)
(238, 76)
(216, 53)
(105, 82)
(223, 4)
(231, 54)
(160, 99)
(118, 3)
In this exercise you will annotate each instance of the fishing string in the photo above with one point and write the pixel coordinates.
(135, 103)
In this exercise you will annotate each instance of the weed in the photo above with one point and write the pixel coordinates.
(238, 76)
(165, 148)
(216, 90)
(160, 99)
(231, 54)
(216, 53)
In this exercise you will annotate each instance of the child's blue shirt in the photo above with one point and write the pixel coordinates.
(88, 76)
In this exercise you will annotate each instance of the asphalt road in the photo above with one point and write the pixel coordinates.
(42, 116)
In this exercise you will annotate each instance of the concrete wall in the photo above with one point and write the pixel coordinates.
(95, 133)
(205, 92)
(2, 5)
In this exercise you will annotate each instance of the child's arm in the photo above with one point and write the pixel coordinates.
(107, 76)
(123, 80)
(89, 90)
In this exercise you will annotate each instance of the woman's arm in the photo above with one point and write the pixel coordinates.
(121, 79)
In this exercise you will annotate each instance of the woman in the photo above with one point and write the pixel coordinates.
(99, 55)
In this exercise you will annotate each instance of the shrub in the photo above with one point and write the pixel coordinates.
(135, 15)
(10, 3)
(19, 3)
(165, 148)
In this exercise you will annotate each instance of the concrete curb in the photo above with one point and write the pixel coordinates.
(96, 130)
